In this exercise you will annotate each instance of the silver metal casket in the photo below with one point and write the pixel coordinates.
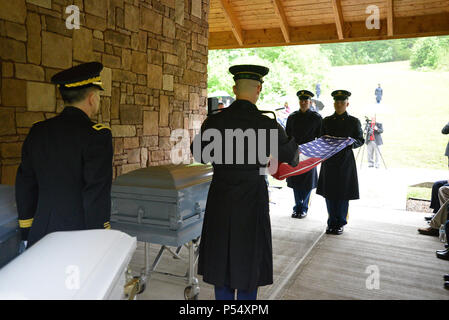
(164, 205)
(9, 225)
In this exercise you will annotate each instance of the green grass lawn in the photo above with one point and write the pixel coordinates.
(419, 193)
(415, 107)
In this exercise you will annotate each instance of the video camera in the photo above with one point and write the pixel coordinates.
(368, 127)
(367, 120)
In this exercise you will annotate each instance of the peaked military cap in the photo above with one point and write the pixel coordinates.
(341, 94)
(304, 95)
(80, 77)
(249, 71)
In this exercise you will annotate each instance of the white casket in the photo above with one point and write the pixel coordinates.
(77, 265)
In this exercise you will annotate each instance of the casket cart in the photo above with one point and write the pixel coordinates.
(164, 205)
(9, 225)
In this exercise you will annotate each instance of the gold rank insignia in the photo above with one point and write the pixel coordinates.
(100, 126)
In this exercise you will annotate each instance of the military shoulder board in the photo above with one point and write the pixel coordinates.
(100, 126)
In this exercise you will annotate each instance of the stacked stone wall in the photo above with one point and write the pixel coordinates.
(155, 58)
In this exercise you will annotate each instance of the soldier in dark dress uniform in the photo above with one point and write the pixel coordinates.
(338, 181)
(304, 126)
(64, 180)
(235, 248)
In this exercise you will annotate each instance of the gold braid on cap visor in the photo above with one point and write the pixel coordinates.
(96, 81)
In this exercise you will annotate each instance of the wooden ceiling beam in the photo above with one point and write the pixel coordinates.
(405, 27)
(233, 21)
(390, 18)
(283, 19)
(339, 22)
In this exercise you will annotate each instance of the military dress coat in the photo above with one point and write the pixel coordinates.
(235, 248)
(64, 180)
(304, 127)
(338, 176)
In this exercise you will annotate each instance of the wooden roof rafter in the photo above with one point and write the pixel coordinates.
(339, 22)
(283, 19)
(235, 24)
(390, 18)
(266, 23)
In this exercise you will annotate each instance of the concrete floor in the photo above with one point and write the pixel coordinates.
(308, 264)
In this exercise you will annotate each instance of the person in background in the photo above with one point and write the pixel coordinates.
(287, 108)
(373, 142)
(445, 130)
(318, 90)
(378, 93)
(304, 126)
(440, 217)
(338, 182)
(434, 201)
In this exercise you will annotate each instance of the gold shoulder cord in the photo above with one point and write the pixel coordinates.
(100, 126)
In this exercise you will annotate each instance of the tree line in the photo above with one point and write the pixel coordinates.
(292, 67)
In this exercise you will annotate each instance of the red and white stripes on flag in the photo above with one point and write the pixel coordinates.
(312, 154)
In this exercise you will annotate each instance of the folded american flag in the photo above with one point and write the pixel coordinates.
(312, 154)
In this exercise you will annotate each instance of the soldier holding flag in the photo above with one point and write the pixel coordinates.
(304, 125)
(338, 181)
(235, 252)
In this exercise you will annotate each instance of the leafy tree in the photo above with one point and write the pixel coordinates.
(291, 68)
(368, 52)
(424, 53)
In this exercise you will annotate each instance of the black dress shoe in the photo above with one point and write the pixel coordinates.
(442, 251)
(302, 215)
(338, 231)
(443, 254)
(329, 230)
(446, 277)
(295, 215)
(446, 285)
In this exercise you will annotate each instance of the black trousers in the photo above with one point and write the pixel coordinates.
(338, 213)
(434, 201)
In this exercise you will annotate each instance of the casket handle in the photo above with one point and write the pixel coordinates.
(198, 210)
(140, 214)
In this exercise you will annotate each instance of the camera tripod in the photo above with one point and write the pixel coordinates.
(362, 148)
